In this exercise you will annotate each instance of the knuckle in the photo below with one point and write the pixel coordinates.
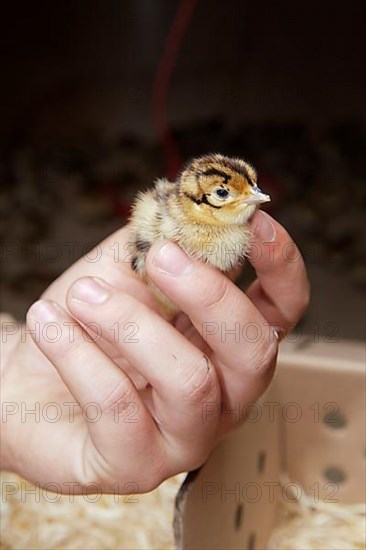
(305, 297)
(266, 357)
(120, 399)
(65, 344)
(215, 293)
(129, 314)
(125, 324)
(200, 384)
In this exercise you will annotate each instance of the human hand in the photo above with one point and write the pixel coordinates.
(177, 370)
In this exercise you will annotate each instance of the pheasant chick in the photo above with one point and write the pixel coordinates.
(205, 211)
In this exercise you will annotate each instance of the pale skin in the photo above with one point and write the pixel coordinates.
(157, 426)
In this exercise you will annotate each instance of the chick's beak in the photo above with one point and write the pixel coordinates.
(256, 197)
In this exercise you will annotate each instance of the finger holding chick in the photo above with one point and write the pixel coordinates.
(281, 291)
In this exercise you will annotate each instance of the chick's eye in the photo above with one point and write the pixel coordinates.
(221, 193)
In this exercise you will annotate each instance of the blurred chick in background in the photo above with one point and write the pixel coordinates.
(206, 211)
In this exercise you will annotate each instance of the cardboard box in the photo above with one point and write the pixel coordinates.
(310, 424)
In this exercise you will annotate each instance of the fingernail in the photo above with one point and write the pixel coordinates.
(171, 259)
(90, 290)
(44, 311)
(265, 229)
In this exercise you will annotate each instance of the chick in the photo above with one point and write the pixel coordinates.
(206, 211)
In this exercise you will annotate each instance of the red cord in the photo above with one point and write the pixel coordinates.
(161, 86)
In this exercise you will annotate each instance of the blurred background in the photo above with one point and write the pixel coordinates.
(100, 97)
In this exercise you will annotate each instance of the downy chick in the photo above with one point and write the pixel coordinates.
(206, 211)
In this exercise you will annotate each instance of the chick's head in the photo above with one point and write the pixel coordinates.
(219, 190)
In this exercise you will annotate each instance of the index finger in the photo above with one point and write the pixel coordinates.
(281, 291)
